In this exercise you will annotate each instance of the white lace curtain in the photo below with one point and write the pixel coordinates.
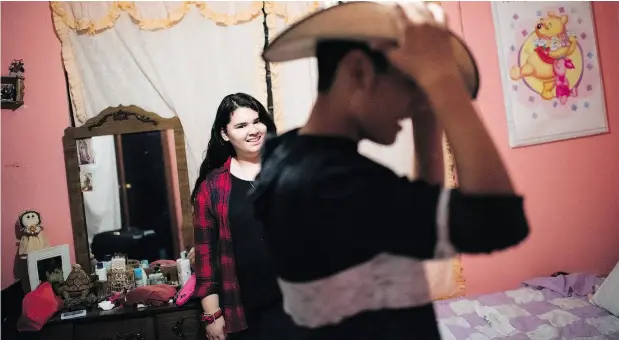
(171, 58)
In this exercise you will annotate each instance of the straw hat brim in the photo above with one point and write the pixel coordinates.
(358, 21)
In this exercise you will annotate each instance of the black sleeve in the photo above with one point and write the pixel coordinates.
(486, 223)
(374, 211)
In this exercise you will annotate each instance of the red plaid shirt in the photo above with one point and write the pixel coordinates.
(215, 269)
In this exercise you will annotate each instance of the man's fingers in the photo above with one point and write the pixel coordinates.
(440, 18)
(407, 15)
(417, 12)
(401, 20)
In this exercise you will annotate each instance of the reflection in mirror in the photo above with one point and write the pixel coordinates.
(128, 184)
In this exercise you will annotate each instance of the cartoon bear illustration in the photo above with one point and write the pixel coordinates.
(553, 42)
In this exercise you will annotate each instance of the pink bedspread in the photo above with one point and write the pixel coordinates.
(544, 308)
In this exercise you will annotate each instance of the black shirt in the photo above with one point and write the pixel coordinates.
(254, 267)
(336, 219)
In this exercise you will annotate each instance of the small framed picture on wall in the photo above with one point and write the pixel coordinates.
(85, 153)
(12, 92)
(86, 181)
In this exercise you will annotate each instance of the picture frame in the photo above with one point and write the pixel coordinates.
(550, 71)
(85, 152)
(12, 92)
(86, 181)
(47, 260)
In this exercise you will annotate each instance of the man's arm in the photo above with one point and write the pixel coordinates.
(480, 169)
(428, 138)
(422, 220)
(485, 203)
(374, 211)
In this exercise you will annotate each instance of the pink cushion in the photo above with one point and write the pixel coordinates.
(186, 292)
(38, 307)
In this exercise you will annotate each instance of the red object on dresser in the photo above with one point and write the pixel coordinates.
(187, 291)
(152, 295)
(38, 307)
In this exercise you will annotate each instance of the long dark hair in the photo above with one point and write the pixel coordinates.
(218, 150)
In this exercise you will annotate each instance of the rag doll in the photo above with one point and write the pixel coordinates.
(33, 238)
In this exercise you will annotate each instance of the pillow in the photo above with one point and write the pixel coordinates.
(187, 291)
(38, 307)
(151, 295)
(607, 296)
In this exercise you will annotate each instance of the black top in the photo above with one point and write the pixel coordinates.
(254, 267)
(328, 208)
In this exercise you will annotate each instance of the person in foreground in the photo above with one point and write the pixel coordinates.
(237, 285)
(346, 233)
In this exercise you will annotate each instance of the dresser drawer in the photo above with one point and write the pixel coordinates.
(129, 329)
(51, 332)
(179, 325)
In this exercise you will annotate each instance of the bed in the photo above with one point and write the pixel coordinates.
(544, 308)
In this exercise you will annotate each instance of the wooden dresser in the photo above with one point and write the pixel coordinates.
(151, 323)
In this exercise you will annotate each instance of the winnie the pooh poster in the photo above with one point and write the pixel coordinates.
(550, 71)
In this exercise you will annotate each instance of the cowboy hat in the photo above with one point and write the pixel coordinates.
(359, 21)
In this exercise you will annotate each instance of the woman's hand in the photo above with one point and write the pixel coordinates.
(215, 331)
(192, 257)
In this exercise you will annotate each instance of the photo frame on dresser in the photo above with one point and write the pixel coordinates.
(45, 263)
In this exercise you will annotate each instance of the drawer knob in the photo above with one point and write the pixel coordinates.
(177, 329)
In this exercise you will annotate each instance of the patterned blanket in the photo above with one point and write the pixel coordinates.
(528, 313)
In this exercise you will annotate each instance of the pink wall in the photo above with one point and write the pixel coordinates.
(571, 187)
(33, 172)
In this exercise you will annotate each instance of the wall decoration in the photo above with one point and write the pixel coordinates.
(33, 237)
(550, 71)
(48, 265)
(12, 87)
(85, 153)
(86, 181)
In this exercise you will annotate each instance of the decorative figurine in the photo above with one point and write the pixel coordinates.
(56, 279)
(33, 238)
(16, 69)
(77, 288)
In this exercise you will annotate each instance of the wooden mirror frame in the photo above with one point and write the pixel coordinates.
(115, 121)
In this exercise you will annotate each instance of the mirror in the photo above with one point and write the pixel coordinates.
(128, 186)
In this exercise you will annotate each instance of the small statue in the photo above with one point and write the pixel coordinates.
(93, 262)
(16, 69)
(56, 279)
(33, 238)
(77, 288)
